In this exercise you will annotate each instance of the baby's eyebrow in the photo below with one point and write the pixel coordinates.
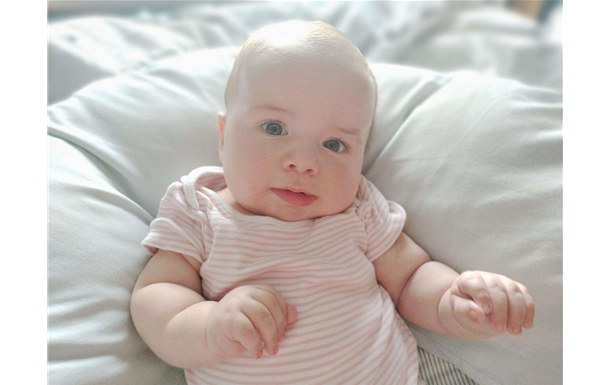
(349, 131)
(354, 132)
(277, 109)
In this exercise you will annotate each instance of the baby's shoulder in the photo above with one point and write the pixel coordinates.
(371, 202)
(199, 184)
(366, 192)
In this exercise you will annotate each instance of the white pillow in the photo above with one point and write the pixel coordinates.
(114, 148)
(440, 35)
(91, 48)
(475, 160)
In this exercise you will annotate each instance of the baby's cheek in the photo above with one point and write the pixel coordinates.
(255, 165)
(344, 189)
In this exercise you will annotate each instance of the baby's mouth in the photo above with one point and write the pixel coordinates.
(300, 199)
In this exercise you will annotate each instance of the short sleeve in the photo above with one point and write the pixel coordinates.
(178, 227)
(383, 220)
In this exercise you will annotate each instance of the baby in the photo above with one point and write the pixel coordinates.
(288, 249)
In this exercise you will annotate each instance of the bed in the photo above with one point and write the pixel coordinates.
(468, 139)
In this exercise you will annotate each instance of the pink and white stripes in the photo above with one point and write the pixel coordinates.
(347, 331)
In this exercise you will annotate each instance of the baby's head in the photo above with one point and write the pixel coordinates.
(300, 104)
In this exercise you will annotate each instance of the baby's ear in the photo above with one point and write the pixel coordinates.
(221, 118)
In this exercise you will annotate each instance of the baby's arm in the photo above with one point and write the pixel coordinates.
(169, 311)
(184, 330)
(433, 296)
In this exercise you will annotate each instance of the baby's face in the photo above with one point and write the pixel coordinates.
(296, 123)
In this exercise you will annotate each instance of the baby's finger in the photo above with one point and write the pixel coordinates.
(278, 297)
(264, 323)
(292, 314)
(290, 311)
(499, 302)
(529, 307)
(246, 334)
(276, 309)
(470, 284)
(467, 312)
(516, 306)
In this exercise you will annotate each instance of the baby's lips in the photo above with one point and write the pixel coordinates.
(292, 314)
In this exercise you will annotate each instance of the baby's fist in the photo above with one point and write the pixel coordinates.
(247, 318)
(490, 304)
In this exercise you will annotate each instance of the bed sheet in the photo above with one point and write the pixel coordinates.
(443, 36)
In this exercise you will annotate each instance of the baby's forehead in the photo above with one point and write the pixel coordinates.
(297, 40)
(297, 49)
(263, 53)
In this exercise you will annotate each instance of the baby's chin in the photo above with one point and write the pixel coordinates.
(270, 205)
(289, 213)
(284, 215)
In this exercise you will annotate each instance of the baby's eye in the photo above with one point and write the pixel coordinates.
(273, 128)
(335, 145)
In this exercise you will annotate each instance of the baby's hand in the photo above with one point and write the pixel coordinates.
(490, 304)
(247, 316)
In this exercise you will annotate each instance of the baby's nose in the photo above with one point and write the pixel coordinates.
(302, 161)
(301, 167)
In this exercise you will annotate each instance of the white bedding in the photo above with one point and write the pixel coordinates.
(441, 35)
(474, 156)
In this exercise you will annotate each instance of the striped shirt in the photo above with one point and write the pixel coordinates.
(347, 330)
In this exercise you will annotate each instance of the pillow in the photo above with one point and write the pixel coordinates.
(93, 259)
(475, 160)
(439, 35)
(114, 148)
(91, 48)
